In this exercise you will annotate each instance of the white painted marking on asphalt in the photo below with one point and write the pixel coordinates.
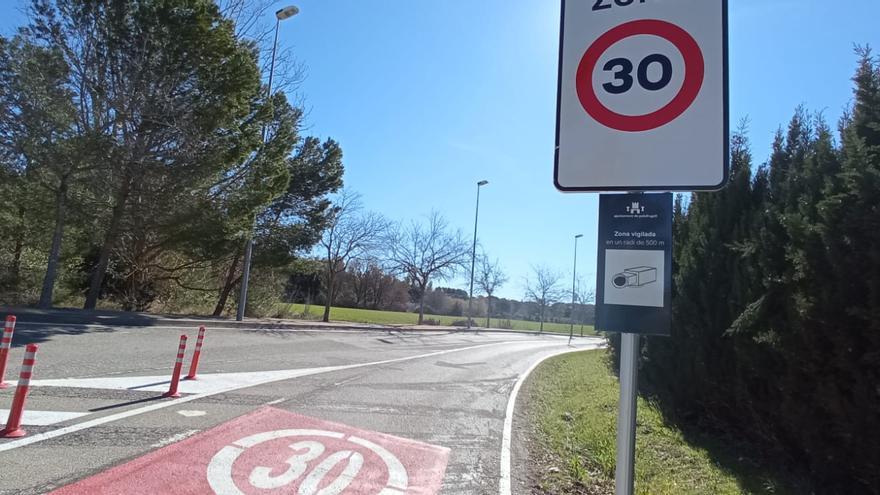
(343, 479)
(220, 471)
(44, 418)
(346, 381)
(276, 401)
(258, 438)
(192, 414)
(174, 439)
(39, 437)
(504, 482)
(220, 476)
(206, 384)
(397, 477)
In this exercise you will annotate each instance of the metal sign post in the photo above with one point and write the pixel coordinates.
(634, 292)
(624, 476)
(642, 105)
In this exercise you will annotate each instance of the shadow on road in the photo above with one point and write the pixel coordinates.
(37, 325)
(129, 403)
(38, 334)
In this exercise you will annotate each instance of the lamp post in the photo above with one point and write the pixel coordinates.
(280, 15)
(573, 280)
(474, 253)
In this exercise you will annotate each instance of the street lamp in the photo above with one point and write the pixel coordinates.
(280, 15)
(573, 279)
(286, 13)
(474, 253)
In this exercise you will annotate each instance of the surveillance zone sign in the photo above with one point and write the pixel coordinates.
(642, 96)
(634, 286)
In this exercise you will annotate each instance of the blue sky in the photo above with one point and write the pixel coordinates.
(428, 97)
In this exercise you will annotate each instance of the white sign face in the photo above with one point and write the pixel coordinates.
(642, 99)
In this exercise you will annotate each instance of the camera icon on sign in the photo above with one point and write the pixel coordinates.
(634, 277)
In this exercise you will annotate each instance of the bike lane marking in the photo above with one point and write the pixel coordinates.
(275, 451)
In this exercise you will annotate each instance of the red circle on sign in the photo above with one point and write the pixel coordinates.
(690, 88)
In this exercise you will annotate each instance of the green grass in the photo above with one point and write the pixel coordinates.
(572, 401)
(400, 318)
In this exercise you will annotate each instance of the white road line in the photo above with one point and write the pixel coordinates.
(192, 414)
(174, 439)
(183, 400)
(44, 418)
(206, 383)
(504, 481)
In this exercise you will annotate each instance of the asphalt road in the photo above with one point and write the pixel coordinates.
(436, 391)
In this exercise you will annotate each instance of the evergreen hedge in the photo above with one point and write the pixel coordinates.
(776, 299)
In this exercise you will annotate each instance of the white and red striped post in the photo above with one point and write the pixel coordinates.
(178, 365)
(5, 344)
(13, 424)
(194, 366)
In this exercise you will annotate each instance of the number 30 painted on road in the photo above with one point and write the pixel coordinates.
(220, 469)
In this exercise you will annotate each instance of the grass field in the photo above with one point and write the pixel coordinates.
(399, 318)
(572, 400)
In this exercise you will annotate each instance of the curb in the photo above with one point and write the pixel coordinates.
(30, 316)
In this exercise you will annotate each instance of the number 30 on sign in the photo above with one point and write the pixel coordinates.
(642, 101)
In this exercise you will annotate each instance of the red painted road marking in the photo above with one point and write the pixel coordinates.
(275, 451)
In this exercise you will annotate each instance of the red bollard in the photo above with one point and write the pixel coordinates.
(194, 366)
(175, 377)
(13, 424)
(5, 344)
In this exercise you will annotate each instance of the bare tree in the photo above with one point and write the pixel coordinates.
(584, 297)
(543, 288)
(350, 235)
(425, 252)
(370, 285)
(489, 278)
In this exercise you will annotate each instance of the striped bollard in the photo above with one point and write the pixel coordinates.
(13, 424)
(178, 365)
(194, 366)
(5, 344)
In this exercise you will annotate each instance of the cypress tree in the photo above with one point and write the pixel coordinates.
(777, 299)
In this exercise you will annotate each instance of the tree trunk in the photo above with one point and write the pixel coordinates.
(542, 318)
(328, 286)
(488, 309)
(328, 300)
(55, 250)
(230, 282)
(18, 250)
(422, 303)
(110, 238)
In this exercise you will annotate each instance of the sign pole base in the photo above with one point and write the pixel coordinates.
(626, 414)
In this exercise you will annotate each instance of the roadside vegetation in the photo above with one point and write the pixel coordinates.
(402, 318)
(776, 299)
(571, 401)
(137, 173)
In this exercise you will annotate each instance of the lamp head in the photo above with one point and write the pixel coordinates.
(287, 12)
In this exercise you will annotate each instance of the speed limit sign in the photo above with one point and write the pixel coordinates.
(642, 97)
